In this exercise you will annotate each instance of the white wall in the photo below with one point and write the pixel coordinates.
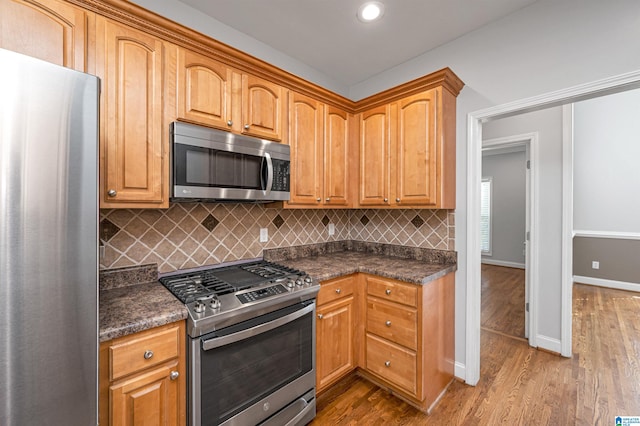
(508, 174)
(548, 124)
(550, 45)
(607, 163)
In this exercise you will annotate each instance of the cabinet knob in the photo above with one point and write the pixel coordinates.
(148, 354)
(388, 323)
(246, 127)
(397, 200)
(112, 193)
(338, 291)
(320, 316)
(386, 199)
(387, 291)
(318, 199)
(174, 375)
(387, 363)
(229, 123)
(328, 199)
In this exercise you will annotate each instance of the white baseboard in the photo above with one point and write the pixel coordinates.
(601, 282)
(549, 343)
(503, 263)
(460, 371)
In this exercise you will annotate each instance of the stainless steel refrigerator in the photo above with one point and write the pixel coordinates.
(48, 244)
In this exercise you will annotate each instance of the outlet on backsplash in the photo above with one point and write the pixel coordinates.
(332, 229)
(264, 235)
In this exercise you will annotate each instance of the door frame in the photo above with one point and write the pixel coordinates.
(529, 141)
(475, 119)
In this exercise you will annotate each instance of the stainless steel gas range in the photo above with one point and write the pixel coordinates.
(251, 343)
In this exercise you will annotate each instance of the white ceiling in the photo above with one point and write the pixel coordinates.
(327, 36)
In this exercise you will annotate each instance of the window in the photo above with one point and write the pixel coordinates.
(485, 216)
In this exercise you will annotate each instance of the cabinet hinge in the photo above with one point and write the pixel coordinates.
(528, 235)
(526, 306)
(528, 164)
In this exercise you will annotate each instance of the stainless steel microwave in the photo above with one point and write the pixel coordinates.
(214, 165)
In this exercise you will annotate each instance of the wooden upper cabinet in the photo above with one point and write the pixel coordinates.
(375, 156)
(204, 89)
(306, 139)
(416, 166)
(407, 152)
(134, 172)
(337, 157)
(263, 108)
(51, 30)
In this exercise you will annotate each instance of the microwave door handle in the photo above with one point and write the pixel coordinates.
(216, 342)
(267, 160)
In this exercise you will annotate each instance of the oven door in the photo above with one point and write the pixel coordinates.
(249, 372)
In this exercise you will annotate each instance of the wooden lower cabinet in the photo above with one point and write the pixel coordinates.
(402, 334)
(335, 330)
(143, 378)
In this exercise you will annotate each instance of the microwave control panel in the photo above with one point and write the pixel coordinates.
(280, 175)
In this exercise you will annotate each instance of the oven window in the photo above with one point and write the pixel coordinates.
(197, 166)
(235, 376)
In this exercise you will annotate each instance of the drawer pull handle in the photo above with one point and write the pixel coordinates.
(388, 323)
(174, 375)
(320, 316)
(338, 291)
(148, 354)
(387, 292)
(387, 363)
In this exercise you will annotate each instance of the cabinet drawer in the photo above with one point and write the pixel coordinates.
(335, 289)
(393, 363)
(394, 291)
(143, 350)
(393, 322)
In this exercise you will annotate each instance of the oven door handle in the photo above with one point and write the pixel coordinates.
(216, 342)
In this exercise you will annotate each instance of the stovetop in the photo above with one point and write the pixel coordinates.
(222, 296)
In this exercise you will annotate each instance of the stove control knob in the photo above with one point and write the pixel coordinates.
(291, 284)
(215, 303)
(199, 306)
(298, 282)
(307, 279)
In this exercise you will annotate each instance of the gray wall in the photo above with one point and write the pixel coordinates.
(548, 124)
(508, 173)
(619, 259)
(607, 187)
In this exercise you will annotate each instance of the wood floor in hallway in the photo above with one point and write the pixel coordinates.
(502, 308)
(520, 385)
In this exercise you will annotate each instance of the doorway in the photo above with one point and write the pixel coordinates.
(474, 163)
(516, 178)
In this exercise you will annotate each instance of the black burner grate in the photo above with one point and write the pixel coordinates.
(229, 279)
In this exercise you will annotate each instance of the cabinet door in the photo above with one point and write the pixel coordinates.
(336, 157)
(147, 399)
(375, 151)
(263, 108)
(416, 168)
(51, 30)
(334, 341)
(132, 132)
(204, 90)
(306, 140)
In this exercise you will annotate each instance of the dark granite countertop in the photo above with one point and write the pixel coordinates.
(331, 265)
(128, 306)
(330, 260)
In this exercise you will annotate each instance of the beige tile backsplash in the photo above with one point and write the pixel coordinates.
(196, 234)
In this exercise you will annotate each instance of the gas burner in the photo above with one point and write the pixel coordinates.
(227, 294)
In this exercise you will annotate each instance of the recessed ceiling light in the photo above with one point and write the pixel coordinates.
(370, 11)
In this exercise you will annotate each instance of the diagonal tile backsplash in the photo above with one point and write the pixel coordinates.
(188, 235)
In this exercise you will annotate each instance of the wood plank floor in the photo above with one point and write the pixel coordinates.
(502, 308)
(520, 385)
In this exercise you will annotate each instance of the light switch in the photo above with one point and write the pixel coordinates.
(264, 235)
(595, 264)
